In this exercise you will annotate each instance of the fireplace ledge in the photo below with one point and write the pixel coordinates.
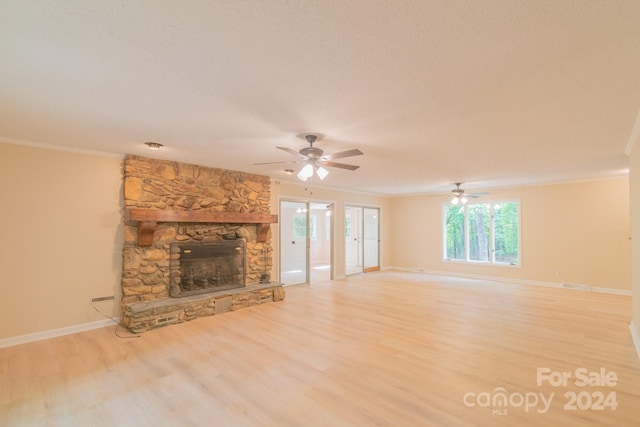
(145, 315)
(148, 219)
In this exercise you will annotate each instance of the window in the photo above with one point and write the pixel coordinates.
(479, 231)
(483, 232)
(506, 224)
(454, 232)
(300, 226)
(347, 226)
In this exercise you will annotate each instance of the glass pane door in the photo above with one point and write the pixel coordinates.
(294, 267)
(371, 241)
(362, 241)
(353, 239)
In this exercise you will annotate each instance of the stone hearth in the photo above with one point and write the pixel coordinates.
(146, 315)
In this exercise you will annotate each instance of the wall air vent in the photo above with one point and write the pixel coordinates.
(167, 320)
(222, 305)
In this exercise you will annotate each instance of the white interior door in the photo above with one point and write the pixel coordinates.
(353, 239)
(371, 240)
(294, 242)
(362, 241)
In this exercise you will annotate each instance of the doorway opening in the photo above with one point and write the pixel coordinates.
(306, 242)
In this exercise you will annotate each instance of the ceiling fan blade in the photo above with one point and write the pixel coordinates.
(343, 154)
(477, 195)
(274, 163)
(290, 151)
(339, 165)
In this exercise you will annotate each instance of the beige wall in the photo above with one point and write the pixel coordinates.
(61, 238)
(61, 212)
(581, 229)
(634, 178)
(63, 209)
(289, 191)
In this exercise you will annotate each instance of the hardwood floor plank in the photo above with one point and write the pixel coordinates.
(381, 349)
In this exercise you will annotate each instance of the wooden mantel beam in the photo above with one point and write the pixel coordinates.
(148, 219)
(167, 215)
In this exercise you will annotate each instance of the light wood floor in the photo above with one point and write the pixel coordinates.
(380, 349)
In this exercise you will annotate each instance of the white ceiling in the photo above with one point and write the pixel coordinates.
(490, 93)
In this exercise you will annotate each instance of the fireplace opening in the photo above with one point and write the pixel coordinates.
(210, 267)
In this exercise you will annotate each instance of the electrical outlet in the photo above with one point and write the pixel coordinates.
(98, 299)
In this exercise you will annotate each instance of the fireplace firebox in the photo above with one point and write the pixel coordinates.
(202, 268)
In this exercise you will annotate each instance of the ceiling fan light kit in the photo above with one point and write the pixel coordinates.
(459, 197)
(457, 200)
(322, 172)
(314, 160)
(306, 172)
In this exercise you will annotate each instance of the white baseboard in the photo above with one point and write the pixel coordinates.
(513, 280)
(39, 336)
(611, 291)
(635, 337)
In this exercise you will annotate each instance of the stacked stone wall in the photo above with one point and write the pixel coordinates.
(161, 184)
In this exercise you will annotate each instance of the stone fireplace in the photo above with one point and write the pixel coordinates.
(197, 242)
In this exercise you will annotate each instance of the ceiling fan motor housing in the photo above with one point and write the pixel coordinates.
(457, 192)
(311, 152)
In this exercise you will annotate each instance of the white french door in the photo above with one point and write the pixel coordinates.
(362, 241)
(305, 242)
(294, 249)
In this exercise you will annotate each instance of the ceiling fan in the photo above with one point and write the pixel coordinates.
(315, 160)
(460, 197)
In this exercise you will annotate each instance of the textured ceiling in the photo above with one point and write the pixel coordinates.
(490, 93)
